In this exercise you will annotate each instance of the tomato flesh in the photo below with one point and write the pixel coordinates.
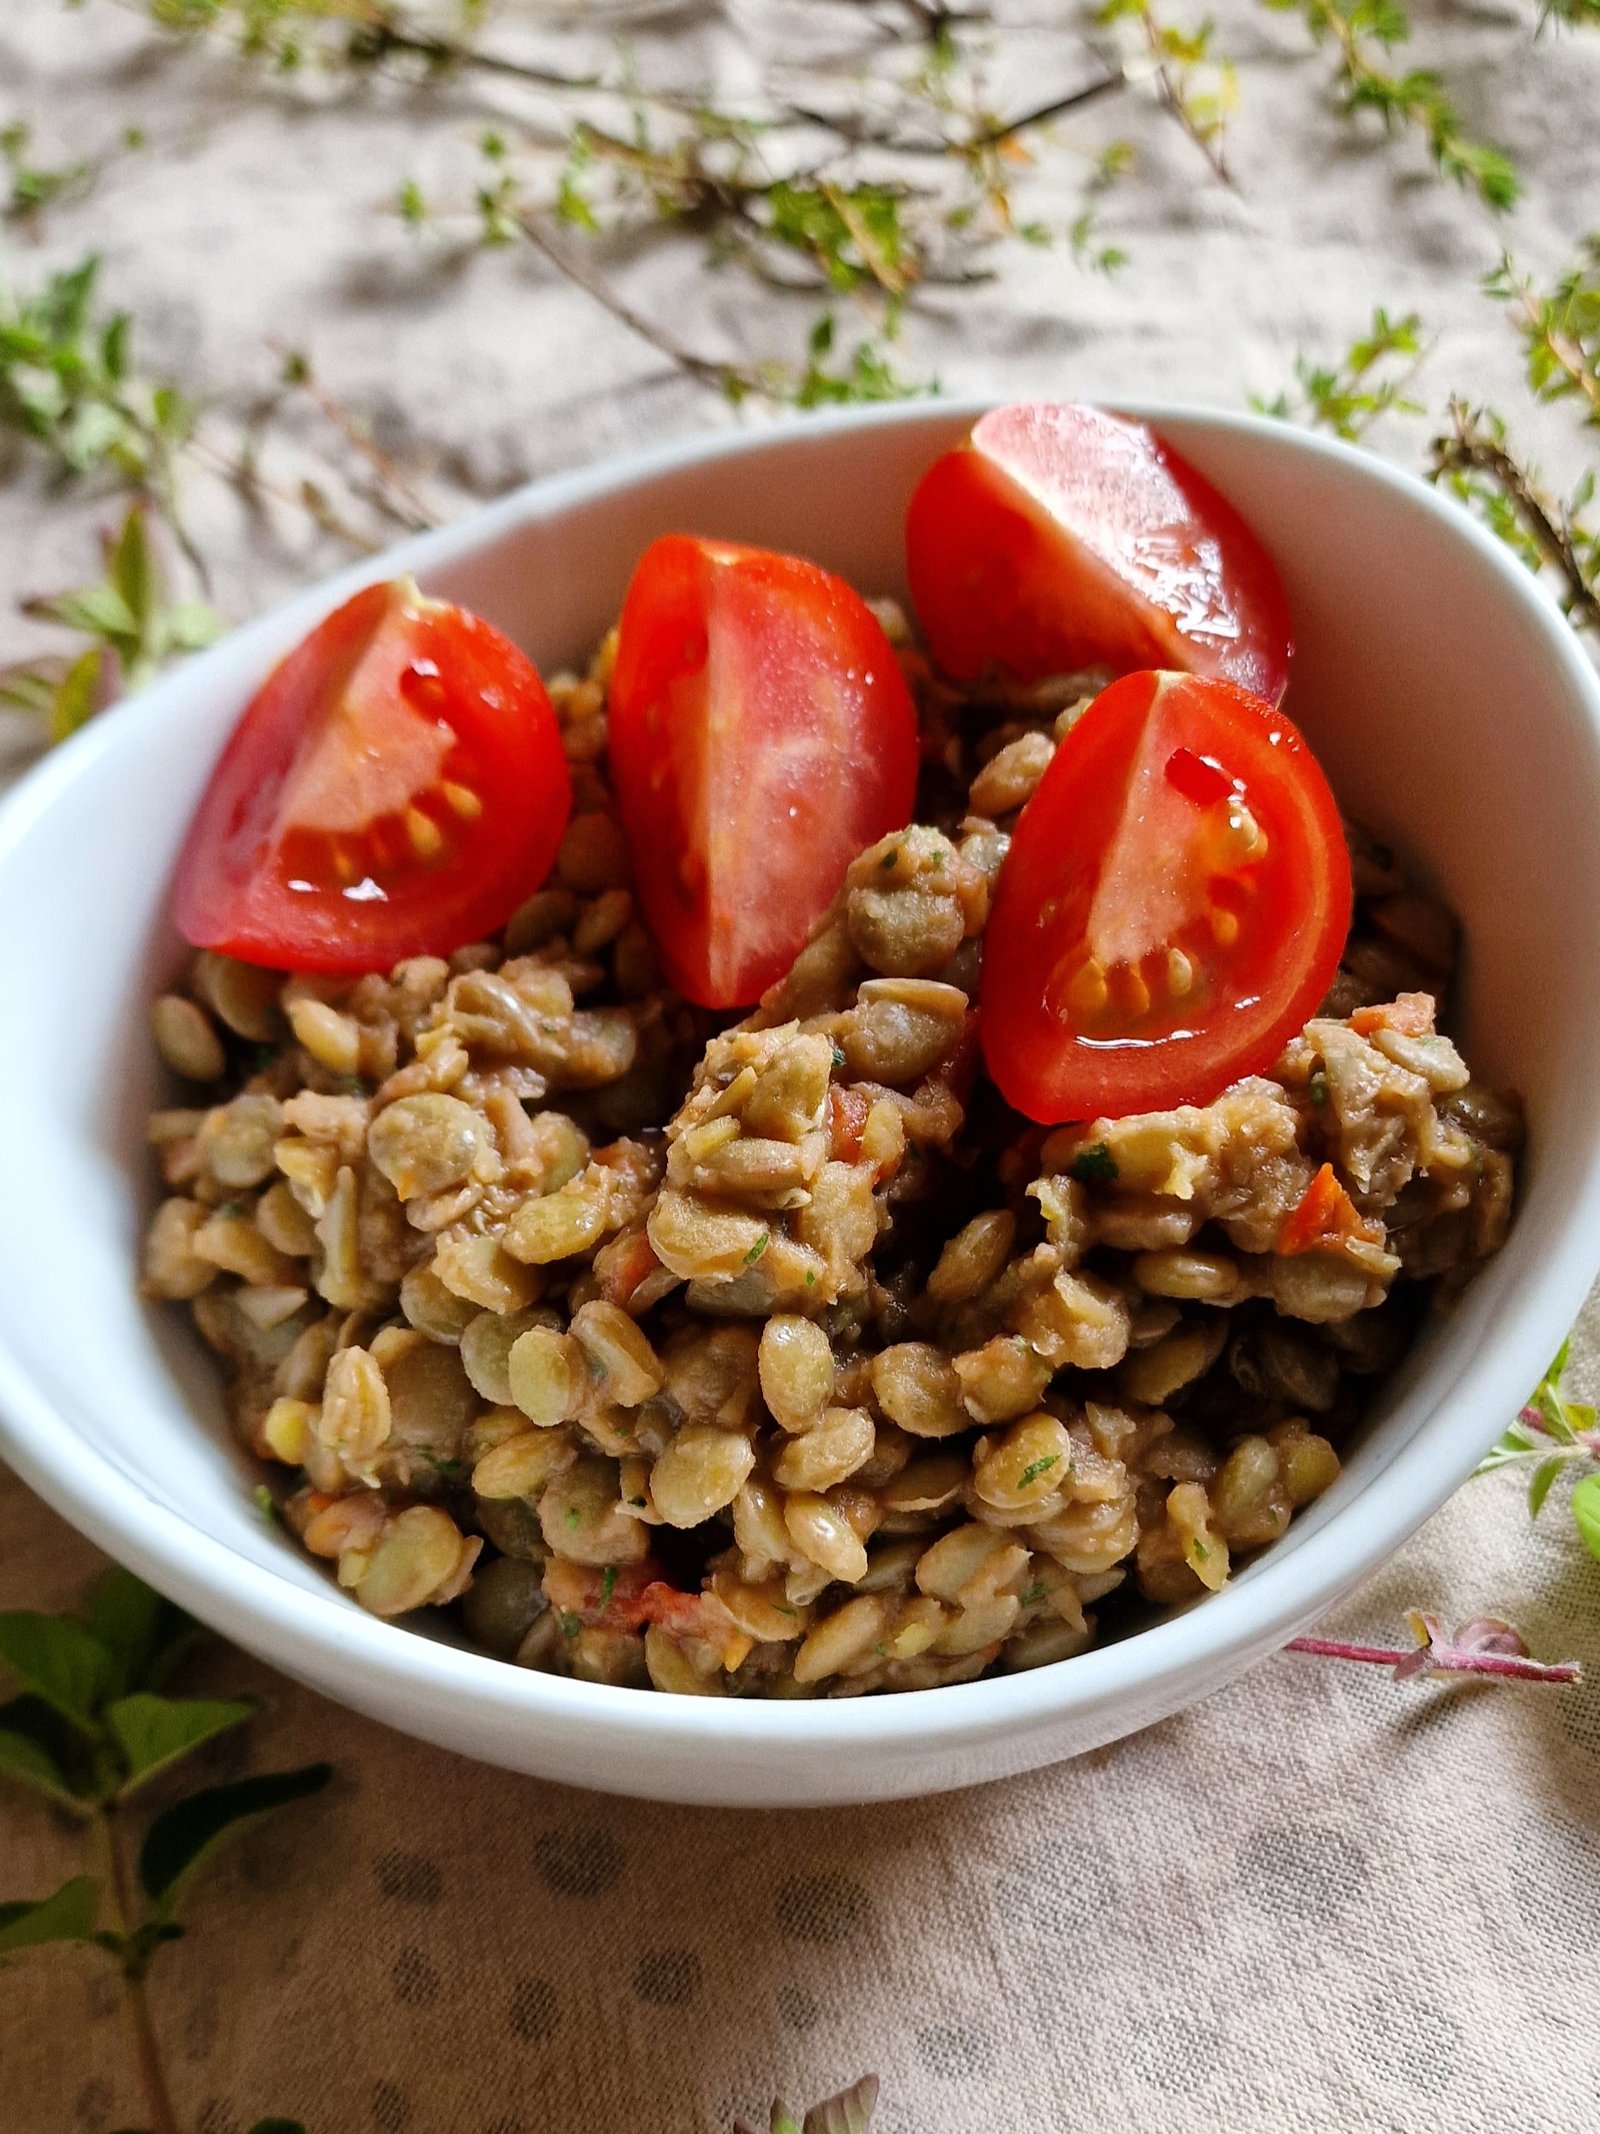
(1063, 537)
(1172, 909)
(761, 734)
(396, 788)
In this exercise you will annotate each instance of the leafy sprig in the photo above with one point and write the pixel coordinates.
(1368, 380)
(1198, 87)
(1552, 1433)
(1363, 34)
(128, 627)
(91, 1726)
(68, 383)
(1473, 459)
(1560, 327)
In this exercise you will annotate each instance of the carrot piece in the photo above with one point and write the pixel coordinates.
(1326, 1218)
(1411, 1014)
(847, 1116)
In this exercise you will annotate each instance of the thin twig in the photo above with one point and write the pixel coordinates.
(392, 496)
(705, 370)
(1467, 449)
(1177, 105)
(995, 134)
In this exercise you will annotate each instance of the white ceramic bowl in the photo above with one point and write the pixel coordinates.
(1453, 712)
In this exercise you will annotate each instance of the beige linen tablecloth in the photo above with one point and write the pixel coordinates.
(1322, 1899)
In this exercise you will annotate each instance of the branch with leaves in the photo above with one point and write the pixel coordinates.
(1368, 380)
(91, 1728)
(1551, 1435)
(1198, 88)
(1474, 460)
(1362, 36)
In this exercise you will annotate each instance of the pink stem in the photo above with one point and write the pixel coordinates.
(1333, 1649)
(1447, 1661)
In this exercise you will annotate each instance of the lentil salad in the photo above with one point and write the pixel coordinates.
(779, 1355)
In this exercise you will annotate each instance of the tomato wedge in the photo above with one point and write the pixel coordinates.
(396, 788)
(1063, 537)
(761, 734)
(1172, 909)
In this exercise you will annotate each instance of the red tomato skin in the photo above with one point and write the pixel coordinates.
(761, 735)
(469, 701)
(1292, 923)
(1064, 537)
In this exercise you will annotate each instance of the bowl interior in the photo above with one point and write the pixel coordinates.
(1438, 693)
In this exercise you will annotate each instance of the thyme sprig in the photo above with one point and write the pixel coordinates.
(1362, 34)
(1560, 327)
(1369, 380)
(1199, 88)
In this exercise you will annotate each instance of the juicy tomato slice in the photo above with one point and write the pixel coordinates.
(396, 788)
(1063, 537)
(1172, 909)
(761, 734)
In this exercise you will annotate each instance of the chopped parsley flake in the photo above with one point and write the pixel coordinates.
(449, 1469)
(574, 1516)
(267, 1504)
(608, 1585)
(1095, 1165)
(1035, 1592)
(838, 1057)
(1317, 1088)
(570, 1626)
(758, 1248)
(231, 1207)
(811, 1280)
(1036, 1468)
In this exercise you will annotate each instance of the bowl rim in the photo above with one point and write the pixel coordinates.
(272, 1613)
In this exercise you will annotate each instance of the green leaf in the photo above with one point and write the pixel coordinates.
(36, 1750)
(67, 1916)
(186, 1837)
(142, 1631)
(1539, 1483)
(190, 627)
(1586, 1511)
(76, 697)
(154, 1733)
(130, 570)
(97, 610)
(60, 1659)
